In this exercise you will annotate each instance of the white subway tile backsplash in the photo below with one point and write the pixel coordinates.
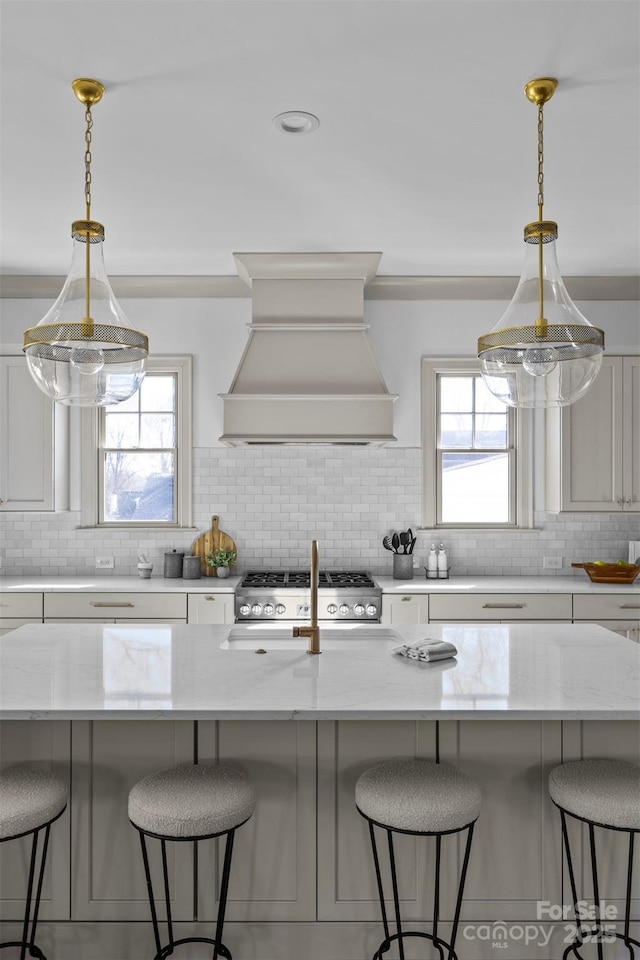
(273, 501)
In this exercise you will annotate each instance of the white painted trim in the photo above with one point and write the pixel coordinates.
(90, 453)
(523, 446)
(379, 288)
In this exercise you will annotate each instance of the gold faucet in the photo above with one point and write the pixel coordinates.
(313, 630)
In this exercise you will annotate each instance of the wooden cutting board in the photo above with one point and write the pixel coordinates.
(209, 542)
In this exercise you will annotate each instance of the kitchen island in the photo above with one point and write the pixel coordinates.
(114, 702)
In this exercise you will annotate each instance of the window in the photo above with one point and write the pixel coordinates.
(476, 451)
(140, 473)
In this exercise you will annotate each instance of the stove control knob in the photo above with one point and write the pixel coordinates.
(343, 609)
(358, 609)
(332, 608)
(245, 610)
(371, 610)
(268, 609)
(256, 609)
(280, 608)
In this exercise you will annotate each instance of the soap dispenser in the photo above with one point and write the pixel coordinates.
(442, 563)
(432, 563)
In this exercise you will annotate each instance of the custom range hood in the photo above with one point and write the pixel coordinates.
(308, 373)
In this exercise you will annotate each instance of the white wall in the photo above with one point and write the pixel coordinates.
(214, 331)
(272, 500)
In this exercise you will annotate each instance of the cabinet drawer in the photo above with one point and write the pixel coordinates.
(8, 624)
(211, 608)
(606, 606)
(100, 606)
(20, 605)
(501, 606)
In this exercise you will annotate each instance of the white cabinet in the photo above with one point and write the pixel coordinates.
(346, 877)
(210, 607)
(593, 445)
(109, 757)
(273, 877)
(106, 607)
(45, 745)
(18, 609)
(615, 611)
(405, 609)
(498, 607)
(33, 443)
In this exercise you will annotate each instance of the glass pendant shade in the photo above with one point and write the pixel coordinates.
(86, 357)
(527, 361)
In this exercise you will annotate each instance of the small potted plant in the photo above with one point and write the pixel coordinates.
(221, 560)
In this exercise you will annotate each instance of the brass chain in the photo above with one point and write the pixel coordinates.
(540, 159)
(87, 160)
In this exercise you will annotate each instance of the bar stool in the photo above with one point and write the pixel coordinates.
(30, 801)
(420, 798)
(606, 794)
(190, 803)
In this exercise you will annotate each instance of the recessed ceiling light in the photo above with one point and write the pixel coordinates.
(296, 121)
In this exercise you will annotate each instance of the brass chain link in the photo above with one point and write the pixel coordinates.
(540, 158)
(87, 160)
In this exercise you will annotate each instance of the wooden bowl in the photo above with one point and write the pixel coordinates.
(610, 572)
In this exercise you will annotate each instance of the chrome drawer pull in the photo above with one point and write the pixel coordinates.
(112, 604)
(503, 606)
(630, 606)
(210, 598)
(406, 599)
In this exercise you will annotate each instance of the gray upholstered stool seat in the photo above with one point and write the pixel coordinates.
(418, 796)
(192, 801)
(29, 799)
(605, 792)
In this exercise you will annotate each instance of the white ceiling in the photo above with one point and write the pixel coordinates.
(426, 148)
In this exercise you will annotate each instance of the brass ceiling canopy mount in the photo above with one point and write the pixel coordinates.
(542, 352)
(83, 352)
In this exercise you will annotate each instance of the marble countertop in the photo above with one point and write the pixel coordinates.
(456, 585)
(117, 584)
(516, 671)
(158, 584)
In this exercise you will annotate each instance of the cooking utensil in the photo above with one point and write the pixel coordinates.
(209, 542)
(413, 543)
(386, 543)
(395, 541)
(405, 540)
(412, 540)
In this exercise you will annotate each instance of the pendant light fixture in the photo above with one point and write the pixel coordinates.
(83, 352)
(542, 352)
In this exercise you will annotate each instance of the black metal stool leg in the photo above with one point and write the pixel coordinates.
(167, 894)
(463, 877)
(36, 908)
(596, 892)
(376, 861)
(27, 911)
(152, 903)
(224, 889)
(627, 915)
(436, 898)
(572, 881)
(396, 898)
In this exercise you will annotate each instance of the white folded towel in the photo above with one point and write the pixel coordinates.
(427, 650)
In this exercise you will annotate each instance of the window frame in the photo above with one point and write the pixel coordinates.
(92, 434)
(520, 460)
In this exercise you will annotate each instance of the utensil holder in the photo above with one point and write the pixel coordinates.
(402, 566)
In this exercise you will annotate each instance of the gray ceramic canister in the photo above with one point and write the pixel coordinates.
(191, 568)
(173, 564)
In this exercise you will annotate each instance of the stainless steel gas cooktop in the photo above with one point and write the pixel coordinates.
(284, 595)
